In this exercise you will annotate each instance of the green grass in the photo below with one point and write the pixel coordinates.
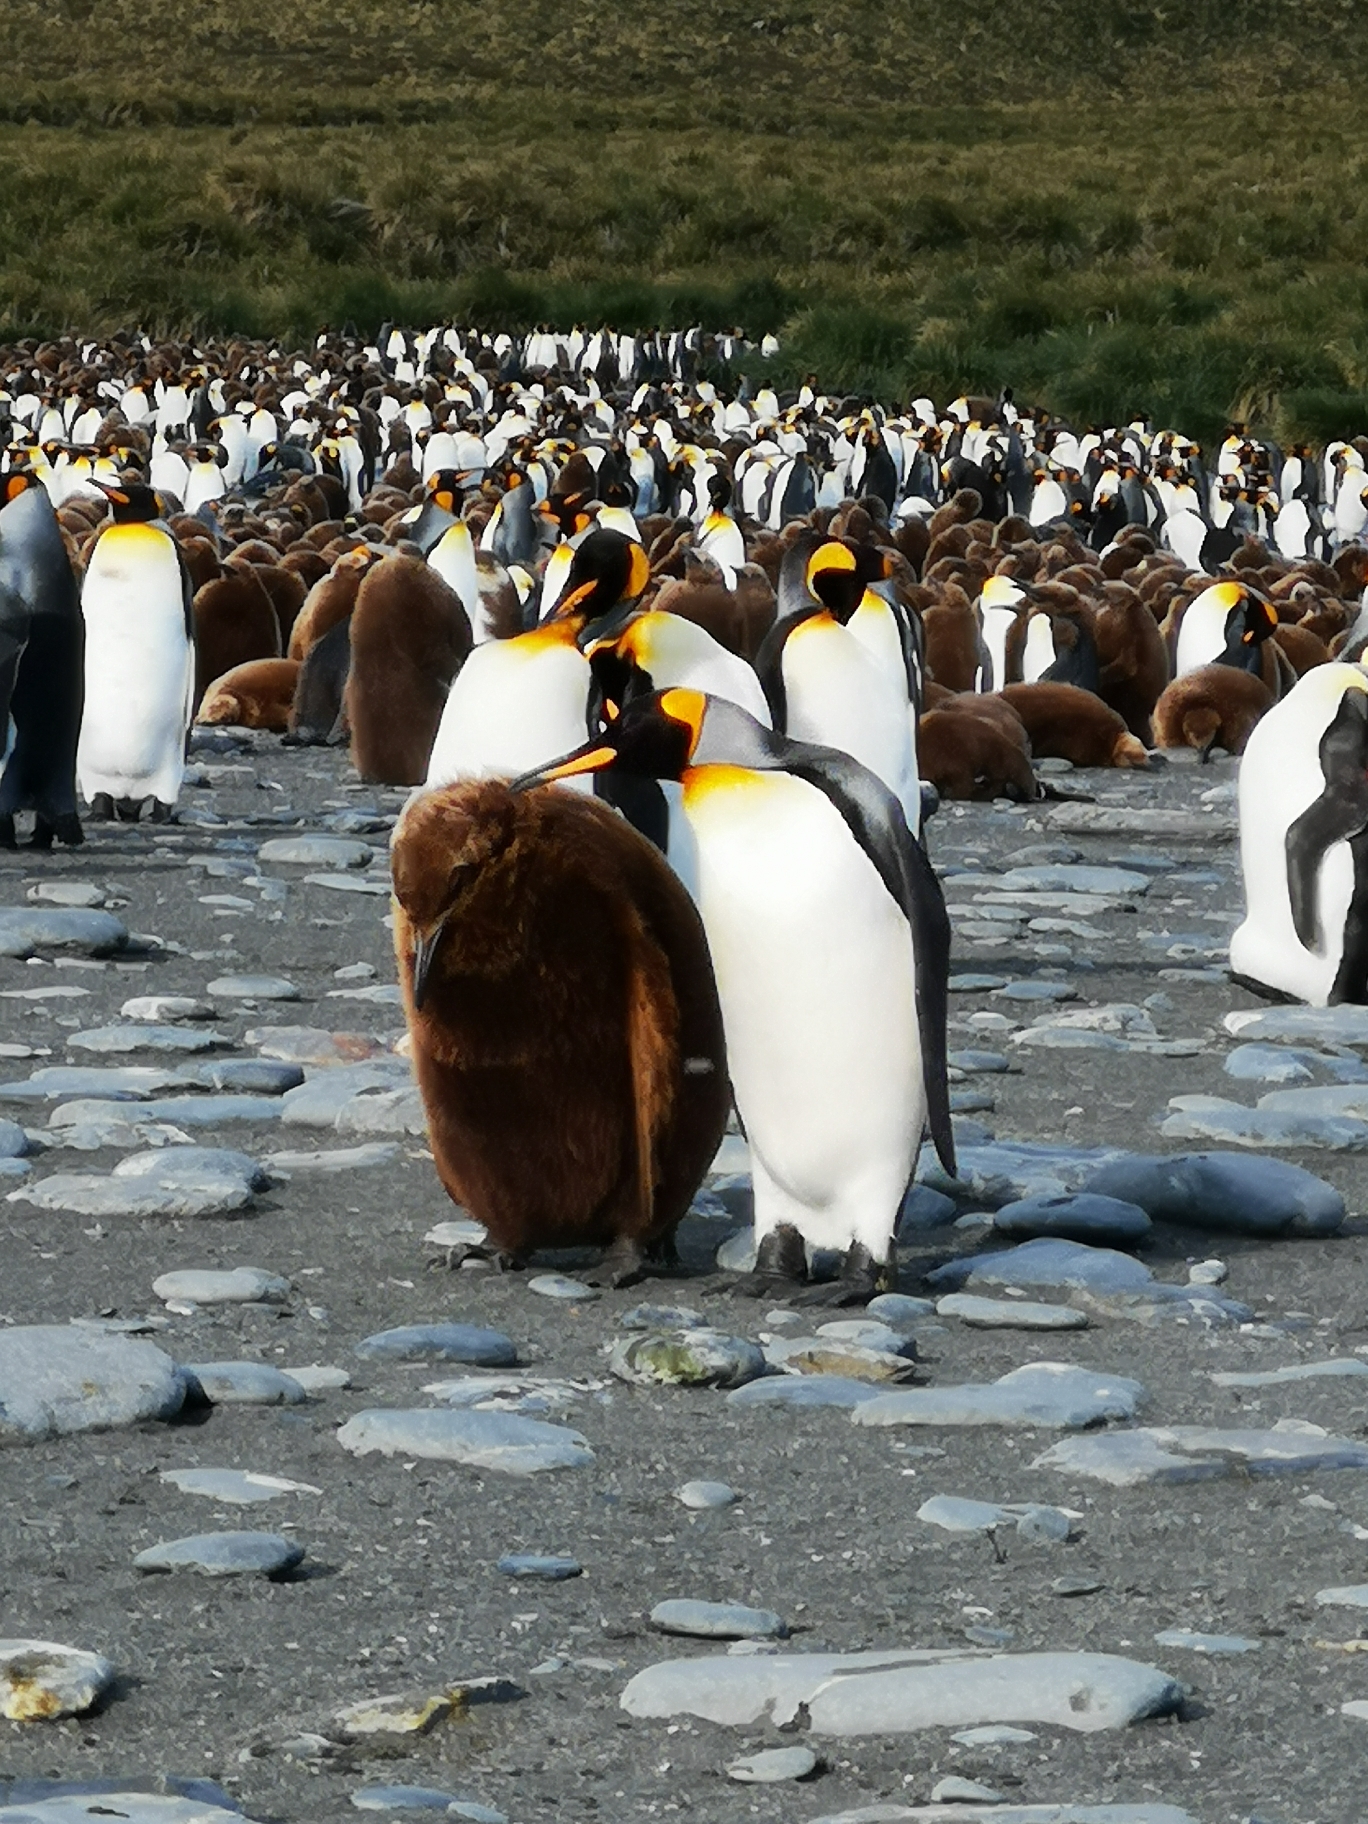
(1111, 209)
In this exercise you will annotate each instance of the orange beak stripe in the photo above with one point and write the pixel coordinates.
(595, 761)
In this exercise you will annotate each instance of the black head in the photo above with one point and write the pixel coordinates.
(608, 570)
(131, 503)
(446, 489)
(654, 737)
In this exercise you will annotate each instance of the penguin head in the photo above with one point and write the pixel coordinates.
(833, 578)
(439, 854)
(568, 512)
(652, 737)
(608, 573)
(131, 504)
(19, 481)
(446, 487)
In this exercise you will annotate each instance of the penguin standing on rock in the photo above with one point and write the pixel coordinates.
(831, 944)
(139, 663)
(564, 1020)
(41, 666)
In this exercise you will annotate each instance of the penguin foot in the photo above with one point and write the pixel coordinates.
(69, 831)
(7, 836)
(861, 1278)
(623, 1264)
(780, 1265)
(102, 807)
(128, 810)
(43, 832)
(162, 813)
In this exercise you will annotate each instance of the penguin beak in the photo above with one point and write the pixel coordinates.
(424, 949)
(593, 757)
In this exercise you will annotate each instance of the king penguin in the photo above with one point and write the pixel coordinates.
(1304, 843)
(42, 642)
(824, 684)
(1224, 625)
(831, 945)
(139, 663)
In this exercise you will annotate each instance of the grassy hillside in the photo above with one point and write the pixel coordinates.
(1157, 207)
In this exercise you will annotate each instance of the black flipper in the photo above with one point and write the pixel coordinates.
(1338, 815)
(769, 663)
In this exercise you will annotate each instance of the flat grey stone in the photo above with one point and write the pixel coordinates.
(923, 1208)
(1053, 1394)
(1083, 1216)
(1204, 1643)
(549, 1570)
(39, 1679)
(841, 1357)
(1009, 1313)
(1032, 990)
(1269, 1064)
(320, 1101)
(1199, 1453)
(717, 1621)
(351, 883)
(1011, 1814)
(804, 1390)
(187, 1164)
(857, 1694)
(1047, 1262)
(159, 1799)
(970, 983)
(56, 1379)
(424, 1798)
(144, 1038)
(1345, 1024)
(975, 1063)
(955, 1789)
(1341, 1366)
(662, 1317)
(1343, 1596)
(1008, 1170)
(318, 1377)
(66, 893)
(224, 1286)
(237, 1487)
(956, 1514)
(158, 1008)
(531, 1393)
(252, 988)
(315, 852)
(315, 1045)
(897, 1309)
(704, 1496)
(14, 1142)
(338, 1159)
(245, 1384)
(118, 1083)
(686, 1358)
(772, 1765)
(223, 1555)
(1068, 878)
(1228, 1192)
(1070, 1038)
(378, 994)
(200, 1111)
(26, 930)
(558, 1285)
(441, 1343)
(245, 1076)
(1199, 1117)
(389, 1111)
(206, 1193)
(994, 1735)
(482, 1440)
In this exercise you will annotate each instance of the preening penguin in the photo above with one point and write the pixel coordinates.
(565, 1026)
(139, 662)
(1304, 843)
(41, 653)
(1224, 625)
(831, 945)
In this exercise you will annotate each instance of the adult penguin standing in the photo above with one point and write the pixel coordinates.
(831, 946)
(139, 663)
(42, 643)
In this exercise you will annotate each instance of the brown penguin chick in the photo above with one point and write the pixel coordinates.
(1213, 706)
(256, 695)
(234, 622)
(320, 536)
(1066, 723)
(409, 637)
(954, 643)
(563, 1019)
(255, 550)
(756, 603)
(1132, 659)
(991, 707)
(306, 564)
(201, 560)
(702, 597)
(967, 504)
(318, 717)
(287, 592)
(968, 756)
(1303, 649)
(329, 601)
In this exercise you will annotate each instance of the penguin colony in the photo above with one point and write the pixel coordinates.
(770, 630)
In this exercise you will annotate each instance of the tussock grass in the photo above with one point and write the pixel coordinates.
(1111, 210)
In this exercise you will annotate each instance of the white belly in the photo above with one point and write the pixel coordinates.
(816, 979)
(515, 705)
(1201, 638)
(839, 696)
(139, 668)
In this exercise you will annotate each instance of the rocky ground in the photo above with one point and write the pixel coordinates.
(1077, 1016)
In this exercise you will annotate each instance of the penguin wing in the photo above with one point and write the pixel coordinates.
(875, 819)
(769, 665)
(1332, 818)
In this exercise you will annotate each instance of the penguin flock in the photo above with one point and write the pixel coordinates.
(752, 637)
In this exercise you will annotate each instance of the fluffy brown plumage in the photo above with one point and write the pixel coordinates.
(968, 755)
(409, 637)
(255, 695)
(567, 1039)
(329, 601)
(235, 622)
(1065, 723)
(1213, 706)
